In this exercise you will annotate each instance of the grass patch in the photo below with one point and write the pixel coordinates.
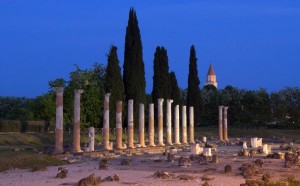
(26, 159)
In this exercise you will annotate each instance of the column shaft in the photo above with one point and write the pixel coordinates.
(176, 126)
(91, 139)
(119, 130)
(76, 131)
(191, 125)
(59, 121)
(184, 130)
(160, 122)
(130, 125)
(141, 125)
(221, 123)
(151, 125)
(169, 122)
(225, 124)
(106, 123)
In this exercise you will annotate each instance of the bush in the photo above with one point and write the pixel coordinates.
(25, 126)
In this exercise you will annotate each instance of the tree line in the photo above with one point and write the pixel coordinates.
(245, 106)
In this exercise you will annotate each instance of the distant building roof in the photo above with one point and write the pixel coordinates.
(211, 70)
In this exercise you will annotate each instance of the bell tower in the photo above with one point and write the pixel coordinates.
(211, 78)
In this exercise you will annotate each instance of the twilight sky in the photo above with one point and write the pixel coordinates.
(251, 44)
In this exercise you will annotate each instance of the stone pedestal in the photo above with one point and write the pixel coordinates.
(160, 122)
(106, 123)
(254, 143)
(119, 130)
(184, 129)
(169, 122)
(204, 139)
(191, 125)
(176, 125)
(207, 152)
(141, 125)
(196, 149)
(244, 145)
(151, 125)
(59, 132)
(225, 124)
(221, 123)
(130, 125)
(76, 132)
(91, 139)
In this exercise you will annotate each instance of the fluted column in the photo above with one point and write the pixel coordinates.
(221, 123)
(130, 124)
(169, 121)
(119, 130)
(151, 125)
(91, 139)
(160, 122)
(191, 125)
(184, 130)
(141, 125)
(176, 125)
(76, 132)
(59, 132)
(106, 123)
(225, 124)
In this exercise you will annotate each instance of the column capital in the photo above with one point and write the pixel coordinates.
(169, 100)
(160, 100)
(107, 95)
(225, 108)
(59, 91)
(221, 107)
(78, 91)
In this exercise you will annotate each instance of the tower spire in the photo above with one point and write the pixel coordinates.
(211, 78)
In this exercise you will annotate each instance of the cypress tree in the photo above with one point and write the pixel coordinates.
(134, 71)
(161, 77)
(175, 91)
(194, 94)
(114, 83)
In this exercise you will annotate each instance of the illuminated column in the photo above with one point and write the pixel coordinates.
(160, 122)
(119, 130)
(130, 124)
(176, 126)
(59, 132)
(151, 125)
(184, 130)
(106, 123)
(91, 139)
(169, 122)
(191, 118)
(141, 125)
(225, 124)
(221, 123)
(76, 132)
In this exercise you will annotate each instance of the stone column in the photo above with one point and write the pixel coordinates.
(119, 130)
(225, 124)
(130, 124)
(106, 123)
(91, 139)
(59, 132)
(151, 125)
(169, 122)
(76, 132)
(183, 120)
(141, 125)
(160, 122)
(191, 117)
(176, 125)
(221, 123)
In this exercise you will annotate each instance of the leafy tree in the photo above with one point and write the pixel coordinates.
(91, 81)
(193, 94)
(15, 108)
(114, 83)
(134, 72)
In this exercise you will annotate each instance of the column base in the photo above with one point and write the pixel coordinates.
(161, 145)
(55, 152)
(177, 143)
(77, 151)
(152, 145)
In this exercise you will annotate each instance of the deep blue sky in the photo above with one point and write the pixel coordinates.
(251, 44)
